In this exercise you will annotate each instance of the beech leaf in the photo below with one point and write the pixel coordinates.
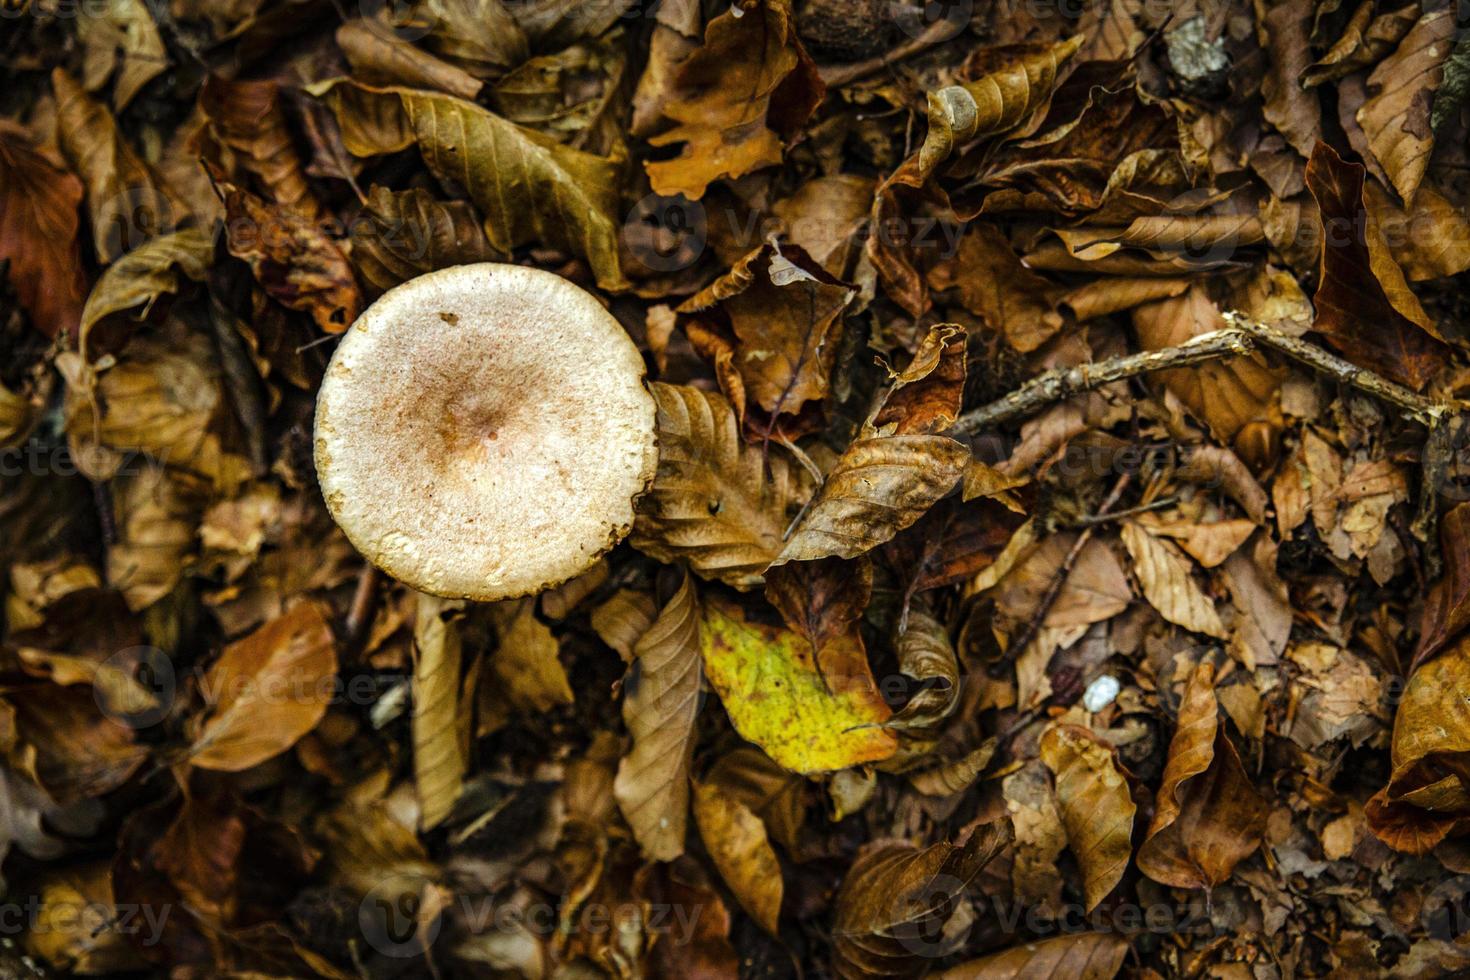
(878, 487)
(715, 503)
(808, 717)
(660, 708)
(267, 690)
(1097, 809)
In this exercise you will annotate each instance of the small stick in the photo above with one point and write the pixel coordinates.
(936, 33)
(1054, 588)
(1243, 336)
(360, 616)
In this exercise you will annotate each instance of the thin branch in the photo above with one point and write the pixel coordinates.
(1243, 336)
(1062, 383)
(936, 33)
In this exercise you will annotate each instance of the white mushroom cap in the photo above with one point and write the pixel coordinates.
(483, 431)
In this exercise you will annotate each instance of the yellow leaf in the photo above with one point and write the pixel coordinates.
(806, 720)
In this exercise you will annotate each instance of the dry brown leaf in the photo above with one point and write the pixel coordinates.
(1365, 41)
(1080, 956)
(895, 899)
(247, 118)
(439, 758)
(775, 795)
(926, 655)
(878, 487)
(1168, 584)
(380, 57)
(267, 690)
(67, 745)
(747, 89)
(528, 187)
(480, 36)
(737, 843)
(1208, 816)
(408, 233)
(1293, 110)
(927, 395)
(38, 233)
(716, 503)
(143, 275)
(993, 284)
(623, 619)
(120, 36)
(123, 198)
(293, 259)
(660, 707)
(1364, 305)
(999, 102)
(525, 674)
(1401, 88)
(822, 600)
(161, 404)
(1113, 294)
(1097, 809)
(785, 311)
(955, 776)
(1430, 241)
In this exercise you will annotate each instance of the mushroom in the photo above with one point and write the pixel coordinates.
(483, 432)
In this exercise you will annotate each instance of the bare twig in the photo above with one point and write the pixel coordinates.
(937, 33)
(1243, 336)
(1054, 588)
(1062, 383)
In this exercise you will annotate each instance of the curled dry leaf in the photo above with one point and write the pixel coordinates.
(293, 259)
(408, 233)
(894, 901)
(623, 619)
(808, 717)
(879, 486)
(38, 233)
(1364, 41)
(1425, 798)
(439, 757)
(381, 57)
(785, 311)
(736, 840)
(266, 691)
(1364, 305)
(142, 276)
(247, 118)
(926, 655)
(955, 776)
(123, 198)
(1164, 573)
(926, 395)
(995, 103)
(1080, 956)
(736, 98)
(660, 708)
(1097, 809)
(1396, 115)
(1208, 816)
(528, 187)
(715, 503)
